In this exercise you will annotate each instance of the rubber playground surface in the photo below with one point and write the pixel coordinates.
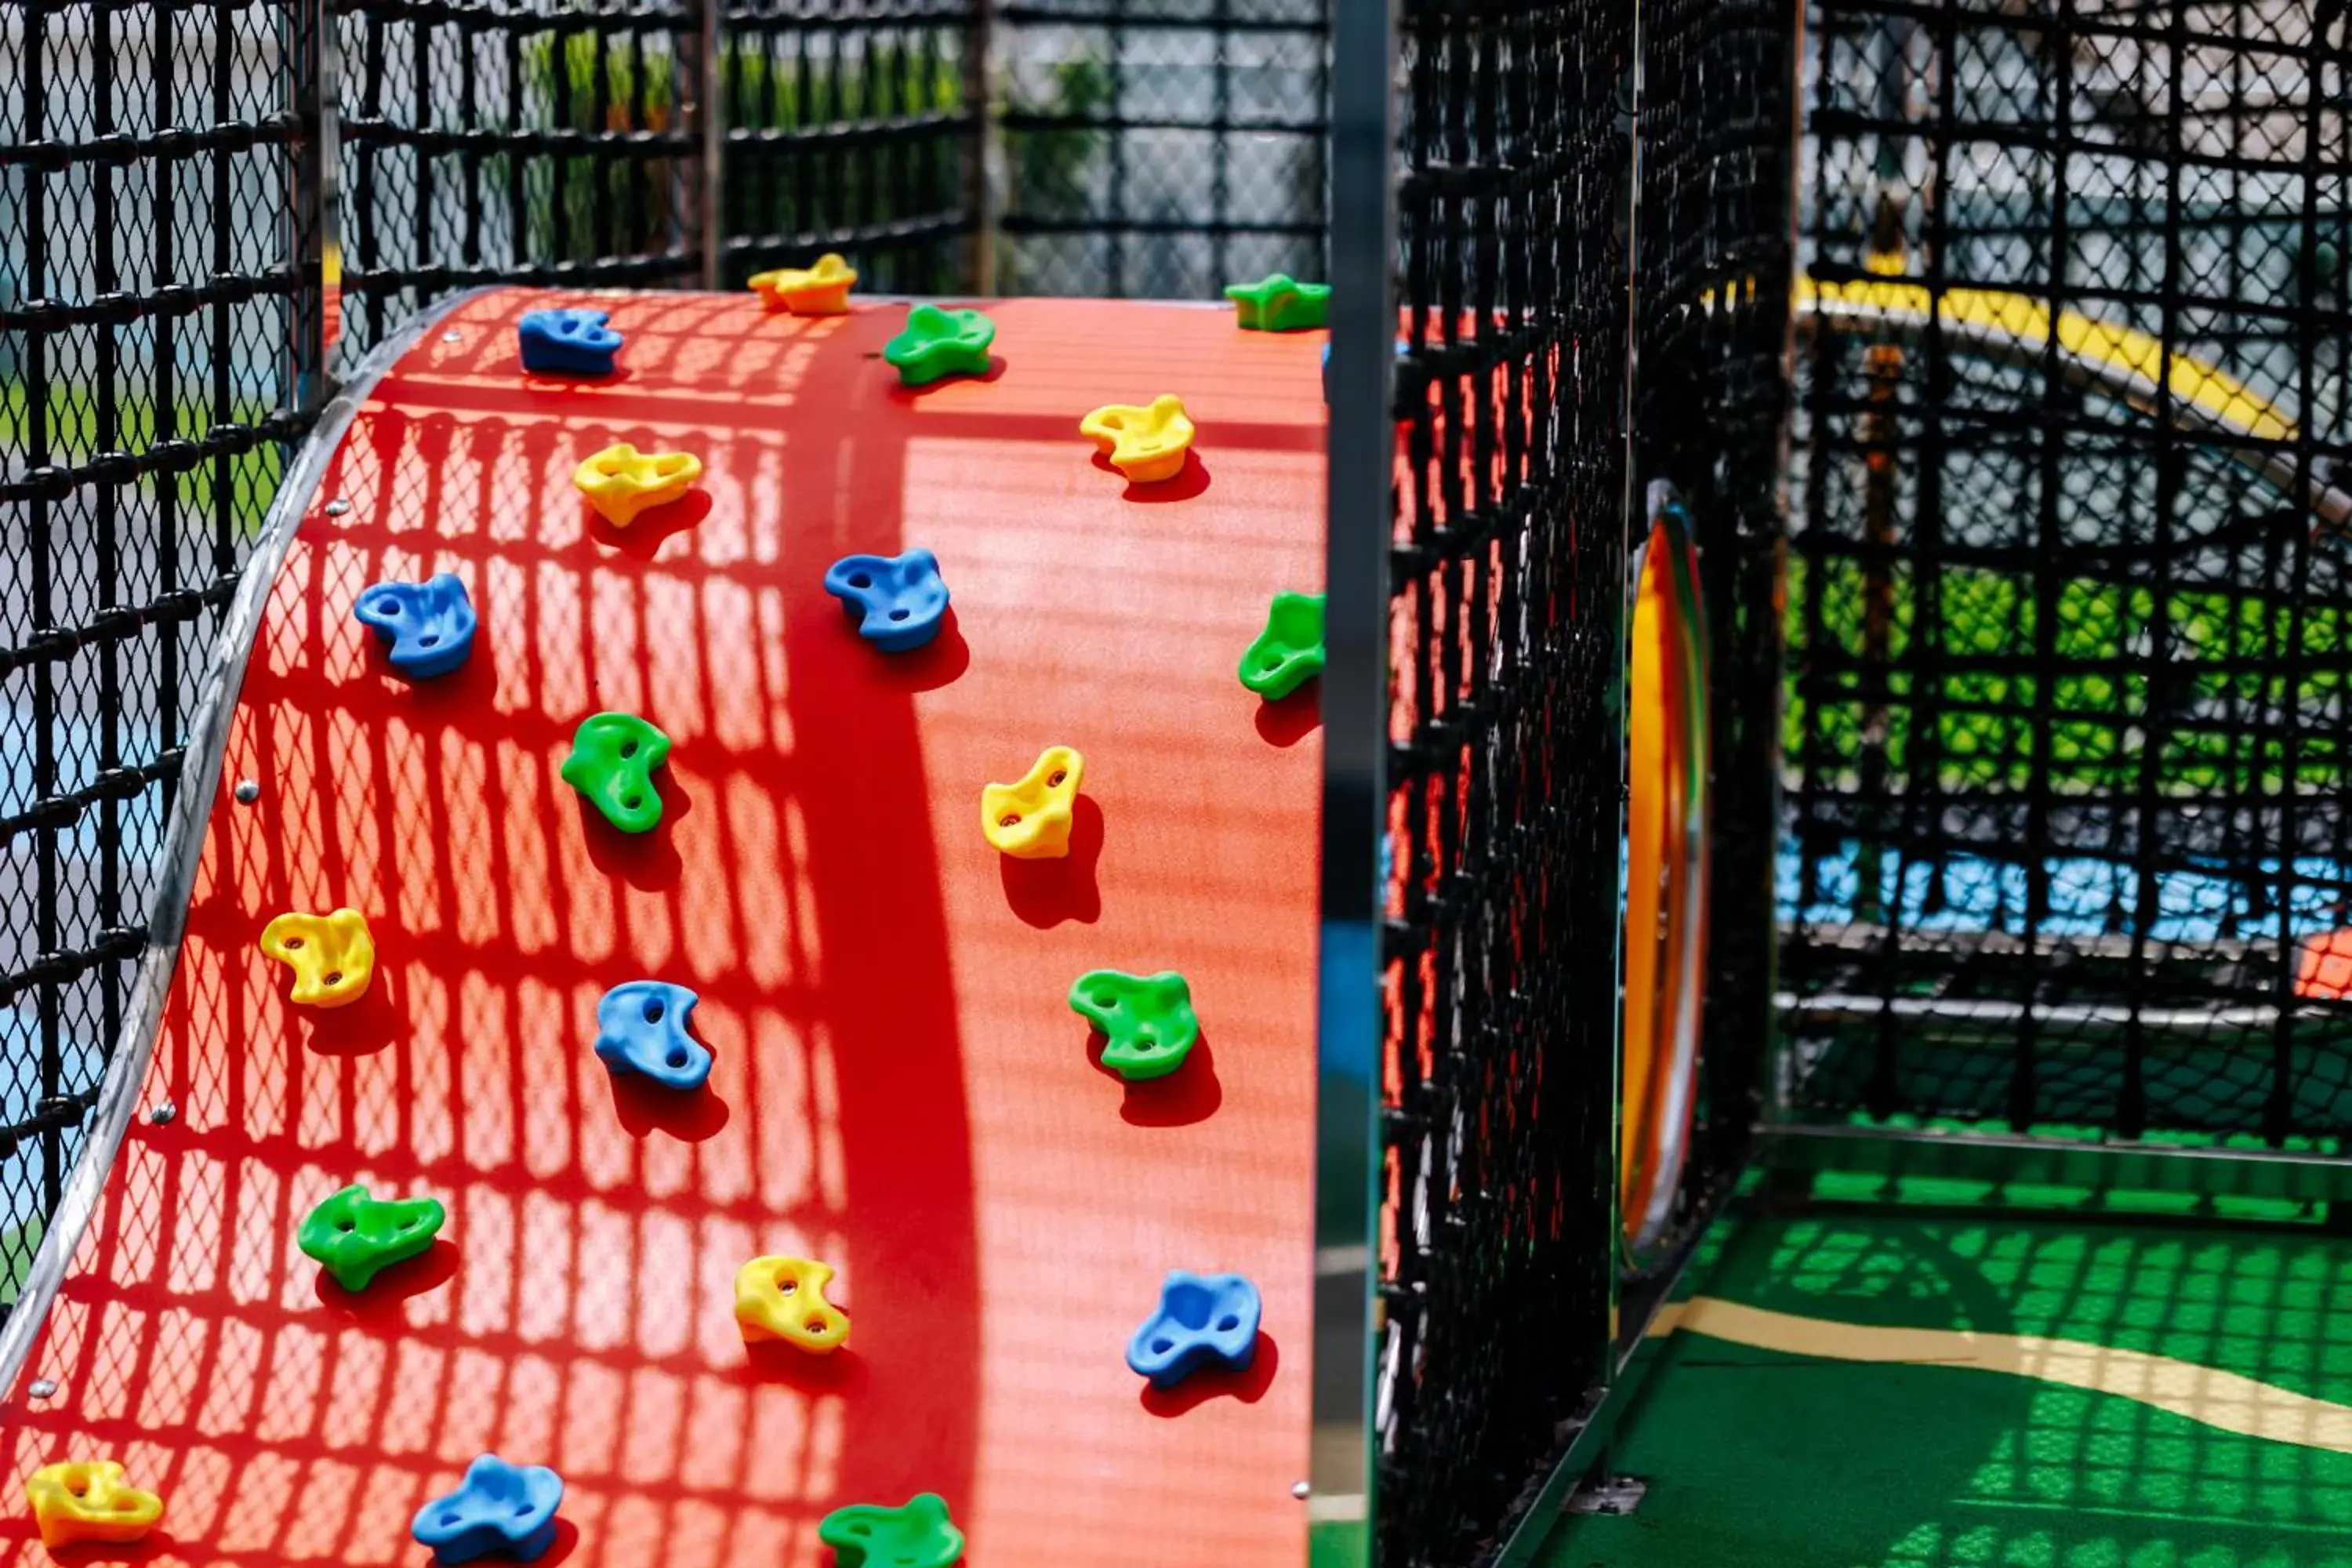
(1929, 1388)
(901, 1088)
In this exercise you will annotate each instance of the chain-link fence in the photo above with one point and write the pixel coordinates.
(2069, 651)
(1159, 149)
(159, 335)
(523, 142)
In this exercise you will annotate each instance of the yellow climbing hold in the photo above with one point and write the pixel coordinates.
(332, 956)
(87, 1501)
(783, 1299)
(819, 291)
(621, 481)
(1031, 820)
(1147, 445)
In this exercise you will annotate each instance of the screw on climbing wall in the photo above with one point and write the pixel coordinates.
(453, 337)
(1300, 1489)
(247, 791)
(163, 1115)
(42, 1388)
(337, 506)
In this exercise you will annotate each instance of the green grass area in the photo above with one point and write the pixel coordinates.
(17, 1246)
(72, 432)
(1754, 1457)
(2229, 655)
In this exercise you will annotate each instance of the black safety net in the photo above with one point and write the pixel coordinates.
(160, 330)
(2066, 844)
(1159, 149)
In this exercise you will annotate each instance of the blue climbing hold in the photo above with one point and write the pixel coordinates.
(430, 625)
(902, 597)
(571, 341)
(1204, 1320)
(641, 1028)
(499, 1511)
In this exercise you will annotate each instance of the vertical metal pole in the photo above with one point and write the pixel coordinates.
(711, 109)
(1357, 523)
(314, 315)
(983, 148)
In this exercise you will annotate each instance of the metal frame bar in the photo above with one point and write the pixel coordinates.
(1342, 1466)
(2018, 1161)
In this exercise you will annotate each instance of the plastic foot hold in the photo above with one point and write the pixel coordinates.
(1279, 302)
(429, 625)
(819, 291)
(1148, 444)
(919, 1535)
(783, 1299)
(902, 599)
(571, 341)
(81, 1501)
(1203, 1321)
(356, 1236)
(641, 1028)
(621, 481)
(1289, 652)
(1146, 1018)
(332, 956)
(497, 1510)
(1031, 820)
(612, 764)
(937, 343)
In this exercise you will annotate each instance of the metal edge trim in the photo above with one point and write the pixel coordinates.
(2026, 1159)
(1342, 1492)
(183, 844)
(1628, 1369)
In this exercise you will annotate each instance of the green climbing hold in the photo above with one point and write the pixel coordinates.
(938, 343)
(611, 763)
(356, 1235)
(1289, 652)
(1148, 1018)
(916, 1536)
(1279, 302)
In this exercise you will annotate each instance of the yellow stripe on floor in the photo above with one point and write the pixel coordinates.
(2223, 1400)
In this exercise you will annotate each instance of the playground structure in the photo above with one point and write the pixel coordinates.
(900, 1088)
(1909, 746)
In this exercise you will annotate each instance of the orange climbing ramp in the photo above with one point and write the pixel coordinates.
(902, 1090)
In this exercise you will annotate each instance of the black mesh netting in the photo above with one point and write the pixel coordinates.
(1159, 149)
(158, 334)
(2065, 740)
(519, 140)
(1711, 417)
(1509, 574)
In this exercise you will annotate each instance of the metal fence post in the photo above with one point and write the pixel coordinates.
(313, 313)
(1343, 1467)
(710, 125)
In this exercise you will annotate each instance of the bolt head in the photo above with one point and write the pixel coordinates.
(42, 1388)
(1300, 1491)
(337, 506)
(163, 1115)
(247, 791)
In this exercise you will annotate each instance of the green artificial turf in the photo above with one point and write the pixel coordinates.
(1998, 723)
(1759, 1459)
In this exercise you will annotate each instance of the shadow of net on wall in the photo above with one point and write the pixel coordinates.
(2067, 842)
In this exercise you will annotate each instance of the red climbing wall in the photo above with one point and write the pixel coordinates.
(900, 1089)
